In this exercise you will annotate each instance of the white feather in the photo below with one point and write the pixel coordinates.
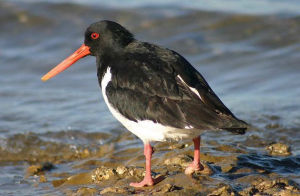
(191, 88)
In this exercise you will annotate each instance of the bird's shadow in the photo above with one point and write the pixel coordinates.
(159, 179)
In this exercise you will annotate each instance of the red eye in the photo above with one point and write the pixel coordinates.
(94, 35)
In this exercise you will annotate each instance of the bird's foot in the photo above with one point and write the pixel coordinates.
(193, 167)
(148, 181)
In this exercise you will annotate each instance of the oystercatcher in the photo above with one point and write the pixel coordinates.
(153, 91)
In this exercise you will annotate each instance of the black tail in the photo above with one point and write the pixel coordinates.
(239, 128)
(236, 130)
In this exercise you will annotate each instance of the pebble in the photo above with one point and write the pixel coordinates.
(224, 190)
(39, 169)
(85, 191)
(119, 190)
(279, 149)
(103, 173)
(43, 179)
(278, 186)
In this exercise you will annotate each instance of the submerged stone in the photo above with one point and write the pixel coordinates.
(39, 169)
(33, 170)
(278, 186)
(77, 179)
(43, 179)
(279, 149)
(57, 183)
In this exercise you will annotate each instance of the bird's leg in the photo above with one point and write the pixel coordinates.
(148, 180)
(195, 165)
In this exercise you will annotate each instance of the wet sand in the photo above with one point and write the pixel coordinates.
(229, 169)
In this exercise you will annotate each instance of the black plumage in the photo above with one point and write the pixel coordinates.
(154, 83)
(153, 91)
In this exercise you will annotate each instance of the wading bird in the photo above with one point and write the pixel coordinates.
(153, 91)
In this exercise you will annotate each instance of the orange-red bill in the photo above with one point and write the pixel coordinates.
(78, 54)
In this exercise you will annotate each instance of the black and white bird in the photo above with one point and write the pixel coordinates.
(153, 91)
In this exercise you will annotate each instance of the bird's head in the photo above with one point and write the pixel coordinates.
(106, 36)
(100, 38)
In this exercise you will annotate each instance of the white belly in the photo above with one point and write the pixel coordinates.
(146, 130)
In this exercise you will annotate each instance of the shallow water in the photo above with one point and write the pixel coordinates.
(250, 59)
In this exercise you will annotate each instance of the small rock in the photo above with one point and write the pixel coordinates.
(78, 179)
(182, 160)
(227, 167)
(279, 149)
(85, 191)
(85, 153)
(57, 183)
(224, 190)
(248, 191)
(228, 148)
(33, 170)
(287, 193)
(273, 126)
(218, 159)
(166, 188)
(39, 169)
(119, 190)
(277, 187)
(250, 179)
(105, 148)
(103, 173)
(121, 170)
(43, 179)
(245, 170)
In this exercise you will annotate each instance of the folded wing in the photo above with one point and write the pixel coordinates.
(168, 90)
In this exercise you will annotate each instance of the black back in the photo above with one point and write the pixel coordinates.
(146, 86)
(154, 83)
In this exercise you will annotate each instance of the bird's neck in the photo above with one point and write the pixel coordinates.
(109, 57)
(101, 68)
(106, 60)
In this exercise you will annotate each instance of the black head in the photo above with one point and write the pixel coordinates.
(106, 36)
(102, 39)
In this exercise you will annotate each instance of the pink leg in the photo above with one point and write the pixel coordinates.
(195, 165)
(148, 180)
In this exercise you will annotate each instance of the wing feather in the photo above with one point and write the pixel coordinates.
(160, 85)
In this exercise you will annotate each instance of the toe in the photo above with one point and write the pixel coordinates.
(192, 168)
(148, 182)
(137, 184)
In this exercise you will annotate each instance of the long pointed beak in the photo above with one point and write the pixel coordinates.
(78, 54)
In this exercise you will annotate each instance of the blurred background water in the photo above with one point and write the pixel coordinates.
(247, 50)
